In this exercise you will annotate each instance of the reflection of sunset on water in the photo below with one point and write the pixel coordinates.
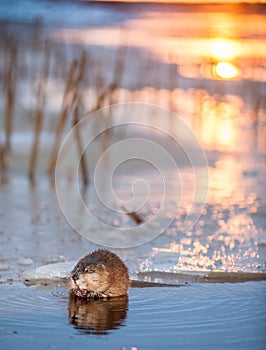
(229, 222)
(217, 129)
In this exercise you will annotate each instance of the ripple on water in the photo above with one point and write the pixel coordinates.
(195, 316)
(28, 307)
(203, 314)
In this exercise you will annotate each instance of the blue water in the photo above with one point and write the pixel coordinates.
(217, 316)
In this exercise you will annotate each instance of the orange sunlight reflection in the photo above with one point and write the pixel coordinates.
(218, 127)
(229, 228)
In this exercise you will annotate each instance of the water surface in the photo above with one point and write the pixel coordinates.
(221, 316)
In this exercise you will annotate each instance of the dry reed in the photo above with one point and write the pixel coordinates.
(76, 103)
(10, 88)
(3, 159)
(67, 103)
(41, 99)
(134, 216)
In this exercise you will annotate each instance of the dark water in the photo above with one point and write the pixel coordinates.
(230, 316)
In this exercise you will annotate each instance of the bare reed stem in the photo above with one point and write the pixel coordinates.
(10, 85)
(76, 100)
(41, 99)
(138, 220)
(83, 162)
(67, 103)
(118, 73)
(3, 159)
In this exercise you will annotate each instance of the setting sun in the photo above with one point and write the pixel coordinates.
(225, 70)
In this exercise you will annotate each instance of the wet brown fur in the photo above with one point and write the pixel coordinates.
(99, 274)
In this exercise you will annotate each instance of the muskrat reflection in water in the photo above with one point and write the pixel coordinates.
(100, 274)
(97, 316)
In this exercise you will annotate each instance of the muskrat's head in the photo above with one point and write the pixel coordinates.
(89, 277)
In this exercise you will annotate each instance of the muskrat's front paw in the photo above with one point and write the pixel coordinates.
(96, 295)
(80, 293)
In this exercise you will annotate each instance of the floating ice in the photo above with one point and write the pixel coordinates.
(51, 271)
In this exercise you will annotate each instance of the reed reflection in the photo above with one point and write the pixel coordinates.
(97, 316)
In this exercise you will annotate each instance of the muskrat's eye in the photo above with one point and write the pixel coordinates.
(88, 270)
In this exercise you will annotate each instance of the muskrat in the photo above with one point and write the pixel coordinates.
(100, 274)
